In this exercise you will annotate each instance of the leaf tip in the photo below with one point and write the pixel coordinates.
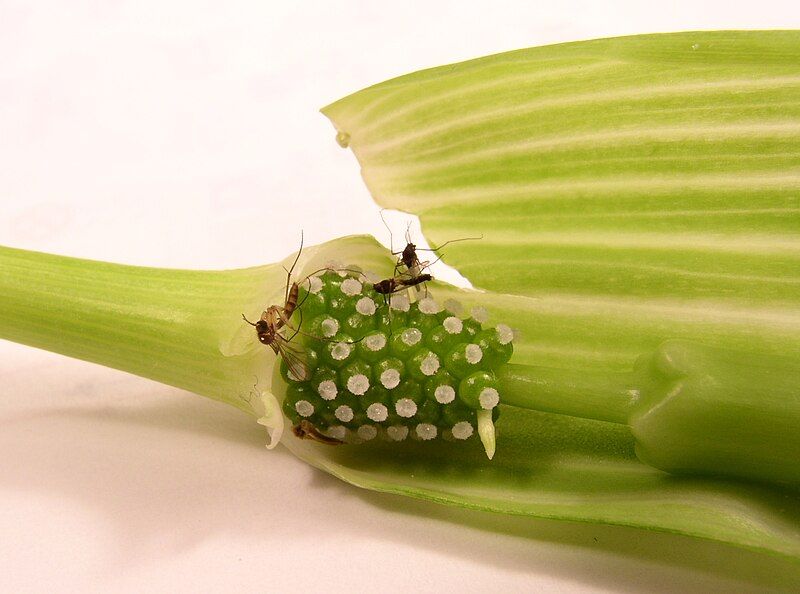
(486, 432)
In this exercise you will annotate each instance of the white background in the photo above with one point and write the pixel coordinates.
(187, 134)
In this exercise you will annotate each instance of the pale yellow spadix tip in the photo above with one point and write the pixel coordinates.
(272, 418)
(486, 432)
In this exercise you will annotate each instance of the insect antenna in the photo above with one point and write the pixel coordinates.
(391, 241)
(408, 232)
(246, 320)
(436, 249)
(289, 272)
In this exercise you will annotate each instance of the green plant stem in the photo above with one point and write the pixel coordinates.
(162, 324)
(690, 407)
(693, 409)
(602, 396)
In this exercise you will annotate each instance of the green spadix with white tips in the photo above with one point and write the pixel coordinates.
(638, 202)
(392, 381)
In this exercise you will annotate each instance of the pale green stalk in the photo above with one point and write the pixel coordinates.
(630, 192)
(173, 326)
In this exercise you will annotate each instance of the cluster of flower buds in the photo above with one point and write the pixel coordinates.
(396, 370)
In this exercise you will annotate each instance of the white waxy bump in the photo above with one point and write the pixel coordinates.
(314, 284)
(329, 327)
(474, 354)
(344, 413)
(358, 384)
(397, 432)
(453, 325)
(334, 266)
(304, 408)
(426, 431)
(366, 306)
(327, 389)
(504, 334)
(350, 287)
(453, 306)
(406, 408)
(429, 306)
(463, 430)
(390, 379)
(411, 336)
(489, 398)
(400, 302)
(337, 432)
(429, 365)
(367, 432)
(444, 394)
(377, 412)
(480, 314)
(372, 277)
(375, 342)
(341, 350)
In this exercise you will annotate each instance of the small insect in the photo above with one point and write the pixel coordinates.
(275, 317)
(305, 430)
(397, 283)
(408, 255)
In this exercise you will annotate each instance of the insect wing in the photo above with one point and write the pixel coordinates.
(305, 430)
(319, 437)
(298, 368)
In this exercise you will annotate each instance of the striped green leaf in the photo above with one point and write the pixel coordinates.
(631, 189)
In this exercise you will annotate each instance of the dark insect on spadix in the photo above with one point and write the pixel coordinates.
(274, 318)
(306, 430)
(409, 259)
(395, 284)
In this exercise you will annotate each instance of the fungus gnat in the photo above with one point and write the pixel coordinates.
(396, 284)
(275, 317)
(409, 259)
(306, 430)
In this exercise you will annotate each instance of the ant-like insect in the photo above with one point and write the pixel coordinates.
(408, 257)
(396, 284)
(276, 317)
(305, 429)
(268, 328)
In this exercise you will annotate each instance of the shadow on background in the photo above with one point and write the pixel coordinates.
(178, 469)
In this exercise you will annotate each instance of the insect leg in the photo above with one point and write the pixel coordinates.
(297, 331)
(289, 272)
(385, 224)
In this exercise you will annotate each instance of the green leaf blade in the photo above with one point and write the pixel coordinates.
(628, 191)
(655, 179)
